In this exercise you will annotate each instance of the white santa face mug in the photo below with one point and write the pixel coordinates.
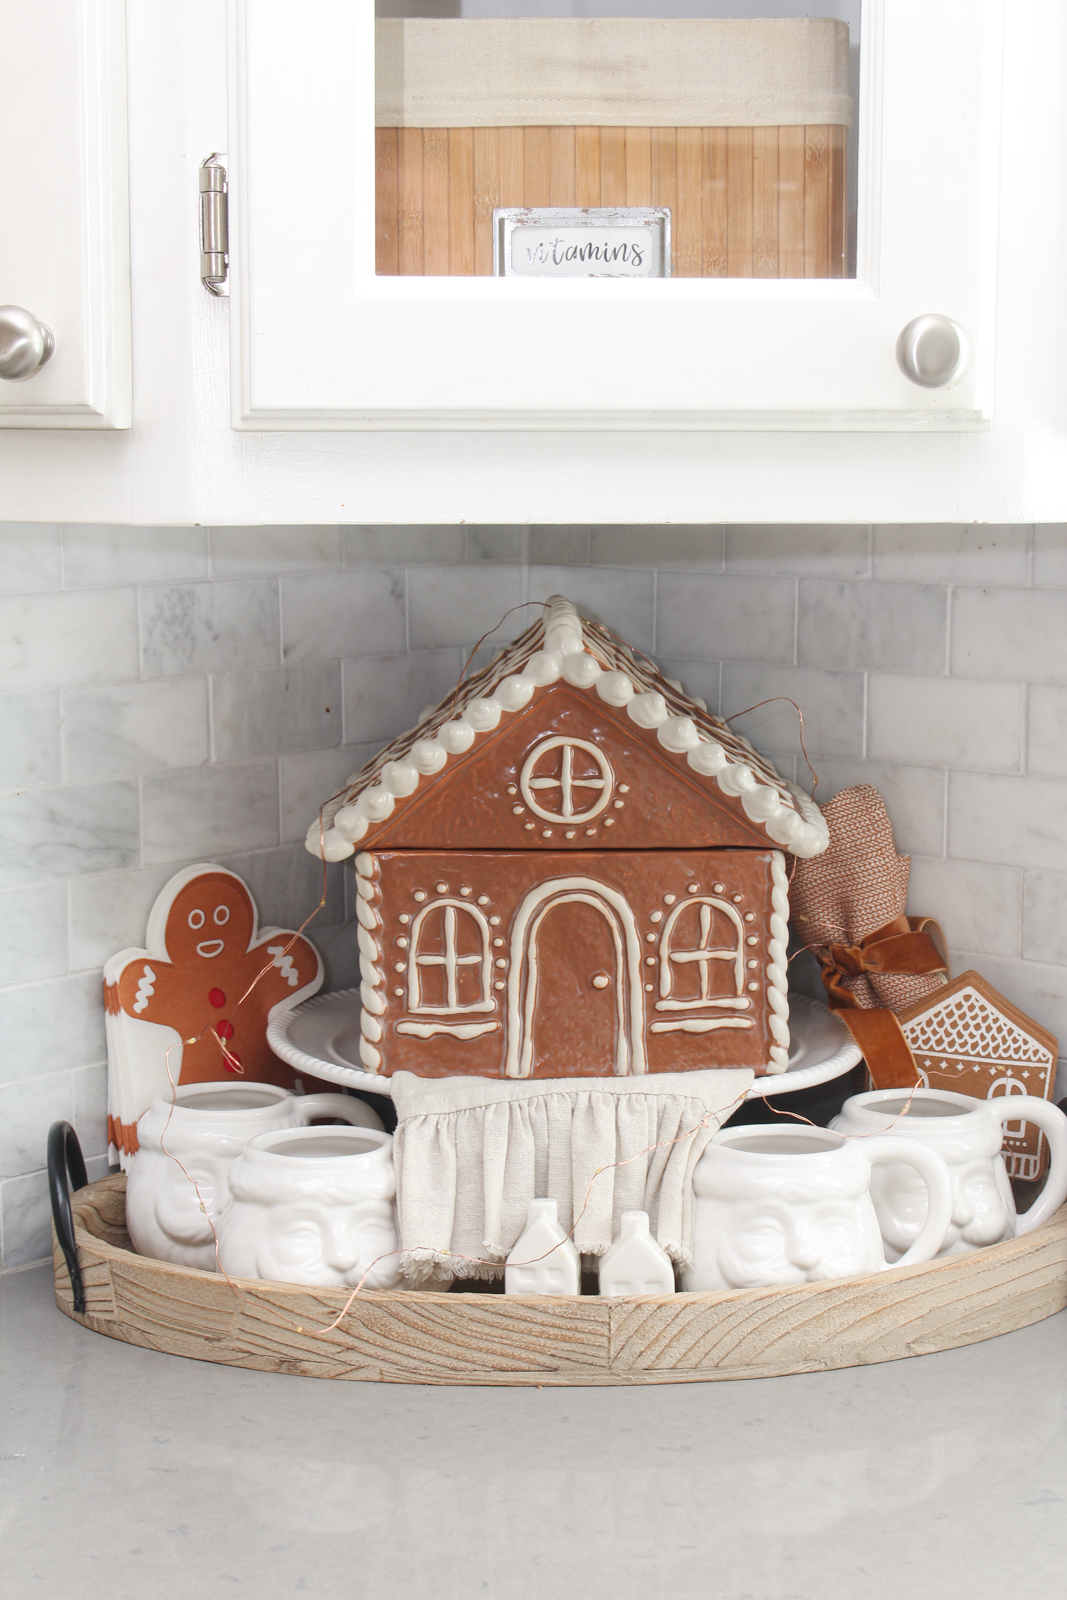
(784, 1205)
(967, 1134)
(205, 1126)
(313, 1206)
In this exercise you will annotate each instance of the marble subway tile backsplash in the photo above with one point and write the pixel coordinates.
(170, 695)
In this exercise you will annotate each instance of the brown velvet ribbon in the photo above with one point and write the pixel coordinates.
(902, 946)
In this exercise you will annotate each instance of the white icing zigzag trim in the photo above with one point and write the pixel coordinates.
(789, 817)
(145, 990)
(284, 963)
(371, 975)
(777, 970)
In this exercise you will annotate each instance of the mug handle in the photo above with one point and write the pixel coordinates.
(345, 1106)
(934, 1173)
(1053, 1124)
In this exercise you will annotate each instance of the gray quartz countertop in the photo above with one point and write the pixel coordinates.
(133, 1475)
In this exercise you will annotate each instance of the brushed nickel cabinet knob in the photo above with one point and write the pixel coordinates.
(931, 351)
(25, 344)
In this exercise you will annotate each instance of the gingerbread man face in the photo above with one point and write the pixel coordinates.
(207, 975)
(211, 917)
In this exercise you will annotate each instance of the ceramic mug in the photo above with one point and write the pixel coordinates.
(967, 1135)
(785, 1205)
(206, 1126)
(313, 1206)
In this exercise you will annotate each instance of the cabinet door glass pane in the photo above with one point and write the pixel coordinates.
(681, 138)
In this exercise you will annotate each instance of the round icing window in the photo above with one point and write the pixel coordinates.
(566, 780)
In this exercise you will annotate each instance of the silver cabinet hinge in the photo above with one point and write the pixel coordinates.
(214, 225)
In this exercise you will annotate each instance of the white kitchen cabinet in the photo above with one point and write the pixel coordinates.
(319, 341)
(64, 245)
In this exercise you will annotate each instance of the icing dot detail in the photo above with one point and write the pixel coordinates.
(398, 991)
(618, 804)
(651, 937)
(494, 922)
(216, 998)
(753, 985)
(601, 981)
(655, 916)
(752, 965)
(590, 833)
(517, 811)
(442, 888)
(624, 788)
(404, 918)
(752, 939)
(512, 789)
(648, 988)
(498, 942)
(402, 942)
(609, 821)
(466, 889)
(718, 887)
(737, 899)
(500, 962)
(528, 826)
(750, 916)
(398, 966)
(669, 899)
(499, 984)
(483, 899)
(569, 833)
(546, 833)
(650, 961)
(693, 887)
(420, 894)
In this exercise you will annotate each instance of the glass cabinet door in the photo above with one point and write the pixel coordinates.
(732, 122)
(649, 214)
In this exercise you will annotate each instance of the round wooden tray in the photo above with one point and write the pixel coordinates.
(412, 1337)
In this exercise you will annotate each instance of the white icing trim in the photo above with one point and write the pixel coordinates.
(372, 976)
(566, 783)
(450, 960)
(678, 734)
(455, 1030)
(428, 755)
(581, 671)
(701, 1024)
(615, 688)
(376, 803)
(741, 1003)
(456, 736)
(514, 691)
(708, 757)
(629, 1041)
(350, 824)
(702, 953)
(563, 627)
(648, 710)
(400, 778)
(544, 667)
(483, 713)
(777, 969)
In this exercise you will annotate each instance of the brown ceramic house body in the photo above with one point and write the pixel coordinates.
(569, 895)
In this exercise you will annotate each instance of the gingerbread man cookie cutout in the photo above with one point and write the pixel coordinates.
(210, 981)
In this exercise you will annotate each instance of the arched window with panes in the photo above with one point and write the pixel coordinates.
(449, 961)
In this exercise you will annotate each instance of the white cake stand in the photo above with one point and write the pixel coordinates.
(321, 1038)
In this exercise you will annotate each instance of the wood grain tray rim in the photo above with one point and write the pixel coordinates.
(491, 1339)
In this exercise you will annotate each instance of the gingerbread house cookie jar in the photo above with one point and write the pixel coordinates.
(569, 868)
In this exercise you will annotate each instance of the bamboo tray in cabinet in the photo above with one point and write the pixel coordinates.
(414, 1337)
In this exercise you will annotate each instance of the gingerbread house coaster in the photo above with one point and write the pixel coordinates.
(569, 868)
(966, 1037)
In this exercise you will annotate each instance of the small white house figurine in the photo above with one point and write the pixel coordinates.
(636, 1263)
(544, 1259)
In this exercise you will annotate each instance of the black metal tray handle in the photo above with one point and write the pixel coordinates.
(65, 1161)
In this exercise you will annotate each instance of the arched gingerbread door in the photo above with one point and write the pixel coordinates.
(574, 984)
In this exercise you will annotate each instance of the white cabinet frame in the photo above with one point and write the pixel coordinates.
(65, 250)
(319, 342)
